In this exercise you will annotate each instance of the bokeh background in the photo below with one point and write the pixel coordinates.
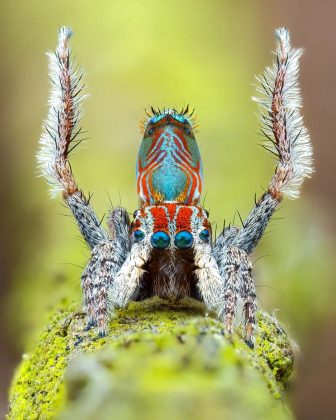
(169, 53)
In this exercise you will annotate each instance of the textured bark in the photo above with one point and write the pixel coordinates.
(159, 360)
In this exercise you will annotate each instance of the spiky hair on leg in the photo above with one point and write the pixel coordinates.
(286, 138)
(61, 130)
(62, 134)
(281, 121)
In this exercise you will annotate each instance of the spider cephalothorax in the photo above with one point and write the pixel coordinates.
(172, 231)
(167, 250)
(171, 225)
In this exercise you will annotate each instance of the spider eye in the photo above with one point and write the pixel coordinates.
(187, 131)
(150, 131)
(184, 239)
(205, 235)
(138, 235)
(160, 240)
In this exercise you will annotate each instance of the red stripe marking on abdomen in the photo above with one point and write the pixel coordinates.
(194, 179)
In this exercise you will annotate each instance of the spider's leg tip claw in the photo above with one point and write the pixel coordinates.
(102, 334)
(250, 343)
(89, 325)
(78, 341)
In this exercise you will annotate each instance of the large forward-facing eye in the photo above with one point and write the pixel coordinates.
(205, 235)
(160, 240)
(138, 235)
(184, 239)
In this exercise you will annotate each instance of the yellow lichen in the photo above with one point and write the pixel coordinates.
(156, 355)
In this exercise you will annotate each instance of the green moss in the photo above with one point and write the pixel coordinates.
(159, 360)
(273, 346)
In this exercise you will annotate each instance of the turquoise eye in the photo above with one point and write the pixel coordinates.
(138, 235)
(184, 239)
(205, 235)
(160, 240)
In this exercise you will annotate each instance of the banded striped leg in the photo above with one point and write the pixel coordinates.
(97, 278)
(288, 140)
(106, 260)
(248, 294)
(228, 260)
(229, 270)
(235, 268)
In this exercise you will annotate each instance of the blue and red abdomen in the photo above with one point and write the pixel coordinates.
(169, 166)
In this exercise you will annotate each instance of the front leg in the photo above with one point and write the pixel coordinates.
(229, 270)
(97, 279)
(235, 268)
(209, 282)
(127, 280)
(106, 260)
(221, 282)
(248, 294)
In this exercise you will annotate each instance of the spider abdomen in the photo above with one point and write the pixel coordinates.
(169, 166)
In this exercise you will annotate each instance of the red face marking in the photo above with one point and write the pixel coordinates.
(171, 208)
(171, 218)
(183, 219)
(207, 225)
(160, 219)
(136, 224)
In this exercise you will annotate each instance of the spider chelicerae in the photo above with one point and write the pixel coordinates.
(167, 250)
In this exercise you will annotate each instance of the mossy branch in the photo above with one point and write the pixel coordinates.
(160, 360)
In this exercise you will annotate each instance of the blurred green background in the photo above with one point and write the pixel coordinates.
(165, 53)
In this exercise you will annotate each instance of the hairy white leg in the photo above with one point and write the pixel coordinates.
(127, 280)
(106, 259)
(223, 241)
(285, 137)
(120, 226)
(248, 294)
(97, 278)
(62, 134)
(229, 270)
(88, 223)
(235, 268)
(209, 281)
